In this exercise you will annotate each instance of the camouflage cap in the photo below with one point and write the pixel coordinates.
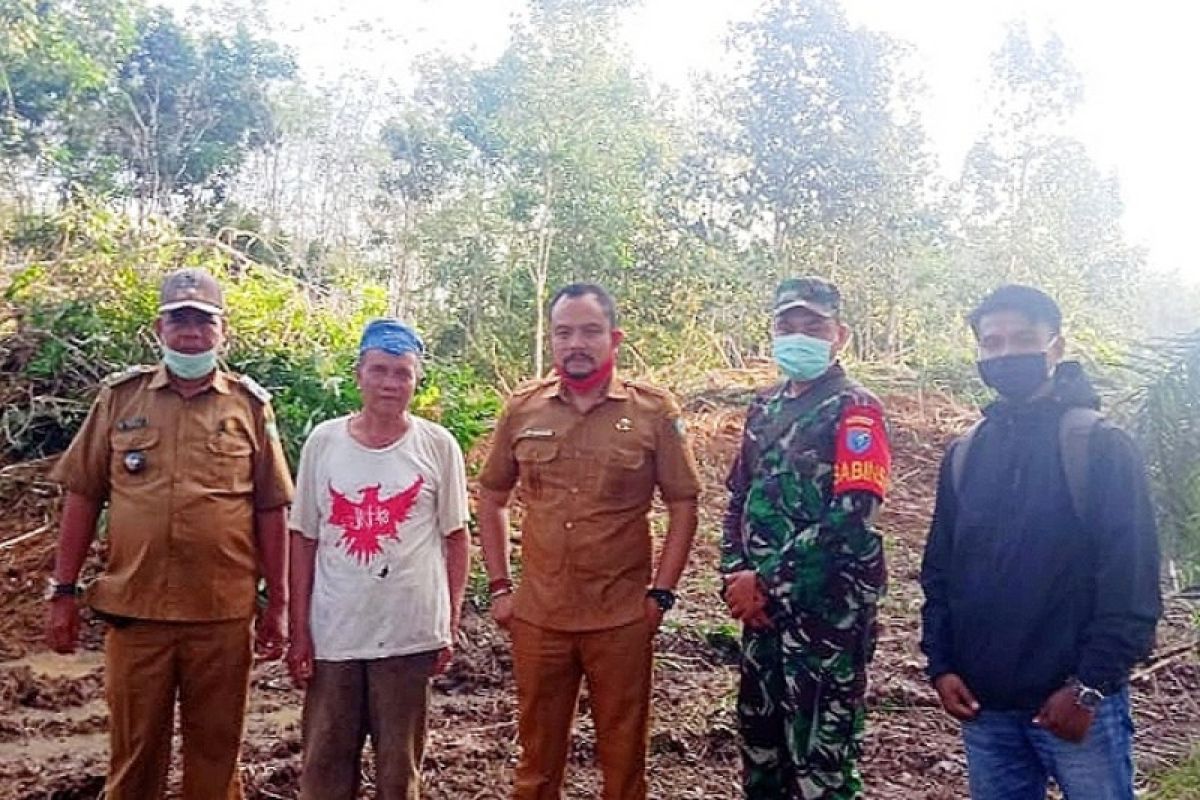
(191, 288)
(816, 294)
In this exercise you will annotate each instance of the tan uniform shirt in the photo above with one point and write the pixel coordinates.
(586, 482)
(183, 479)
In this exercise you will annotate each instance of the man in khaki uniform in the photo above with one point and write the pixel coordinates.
(188, 459)
(585, 452)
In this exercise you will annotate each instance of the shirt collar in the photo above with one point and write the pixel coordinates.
(161, 379)
(616, 389)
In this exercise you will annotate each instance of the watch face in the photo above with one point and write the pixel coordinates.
(1089, 699)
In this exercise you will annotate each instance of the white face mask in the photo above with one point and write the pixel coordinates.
(189, 366)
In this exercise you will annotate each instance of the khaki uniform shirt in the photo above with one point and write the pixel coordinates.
(183, 479)
(586, 482)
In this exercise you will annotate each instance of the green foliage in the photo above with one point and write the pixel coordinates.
(1180, 783)
(462, 202)
(1167, 421)
(115, 98)
(89, 314)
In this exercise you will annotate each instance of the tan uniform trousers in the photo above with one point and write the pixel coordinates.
(206, 666)
(549, 666)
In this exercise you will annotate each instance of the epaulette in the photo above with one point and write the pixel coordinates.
(255, 388)
(531, 386)
(117, 378)
(646, 388)
(860, 395)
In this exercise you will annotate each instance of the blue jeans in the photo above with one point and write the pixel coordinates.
(1010, 758)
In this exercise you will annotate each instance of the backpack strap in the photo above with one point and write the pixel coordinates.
(1074, 444)
(958, 456)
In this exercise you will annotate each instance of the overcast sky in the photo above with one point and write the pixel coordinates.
(1140, 62)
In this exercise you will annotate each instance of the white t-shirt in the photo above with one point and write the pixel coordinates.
(379, 518)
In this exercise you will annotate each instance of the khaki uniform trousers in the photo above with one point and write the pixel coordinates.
(549, 666)
(206, 667)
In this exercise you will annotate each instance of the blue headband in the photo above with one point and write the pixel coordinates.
(391, 336)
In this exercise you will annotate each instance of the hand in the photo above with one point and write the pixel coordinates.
(444, 657)
(955, 697)
(300, 660)
(269, 632)
(1064, 717)
(758, 620)
(62, 624)
(502, 610)
(743, 595)
(654, 614)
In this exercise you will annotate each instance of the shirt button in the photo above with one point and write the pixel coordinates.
(574, 490)
(568, 525)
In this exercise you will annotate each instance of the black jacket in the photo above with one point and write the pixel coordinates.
(1020, 594)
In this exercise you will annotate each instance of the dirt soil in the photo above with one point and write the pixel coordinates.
(53, 718)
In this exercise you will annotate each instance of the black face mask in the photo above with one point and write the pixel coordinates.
(1016, 377)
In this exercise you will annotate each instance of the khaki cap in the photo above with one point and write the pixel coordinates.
(191, 288)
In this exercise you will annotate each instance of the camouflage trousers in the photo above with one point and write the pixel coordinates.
(801, 711)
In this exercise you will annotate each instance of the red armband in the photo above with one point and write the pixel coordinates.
(863, 461)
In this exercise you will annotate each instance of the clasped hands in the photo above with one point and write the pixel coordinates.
(746, 599)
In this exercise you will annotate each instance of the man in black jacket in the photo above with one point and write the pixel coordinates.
(1040, 571)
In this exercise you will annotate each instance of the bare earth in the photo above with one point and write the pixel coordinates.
(53, 718)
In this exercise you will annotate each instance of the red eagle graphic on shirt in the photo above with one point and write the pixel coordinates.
(367, 523)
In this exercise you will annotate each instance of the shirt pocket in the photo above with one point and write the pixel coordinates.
(537, 459)
(135, 456)
(624, 473)
(228, 456)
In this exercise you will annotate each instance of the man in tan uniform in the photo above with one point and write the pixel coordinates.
(188, 459)
(585, 451)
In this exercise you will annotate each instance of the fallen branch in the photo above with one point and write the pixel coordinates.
(15, 540)
(1168, 657)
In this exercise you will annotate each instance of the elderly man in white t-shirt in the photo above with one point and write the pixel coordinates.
(378, 571)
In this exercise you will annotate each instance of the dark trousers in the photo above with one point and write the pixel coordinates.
(347, 701)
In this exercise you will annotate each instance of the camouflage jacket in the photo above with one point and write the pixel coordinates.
(814, 549)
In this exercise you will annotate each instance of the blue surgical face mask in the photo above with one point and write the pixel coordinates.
(189, 366)
(802, 357)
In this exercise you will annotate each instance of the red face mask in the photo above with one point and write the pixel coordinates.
(601, 376)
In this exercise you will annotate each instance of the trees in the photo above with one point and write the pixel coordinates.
(824, 161)
(546, 176)
(1034, 206)
(474, 194)
(114, 98)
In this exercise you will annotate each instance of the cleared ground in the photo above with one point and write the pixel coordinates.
(52, 714)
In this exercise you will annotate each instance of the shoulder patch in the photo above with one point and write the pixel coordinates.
(117, 378)
(255, 388)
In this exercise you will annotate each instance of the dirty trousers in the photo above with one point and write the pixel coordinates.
(384, 698)
(549, 666)
(148, 666)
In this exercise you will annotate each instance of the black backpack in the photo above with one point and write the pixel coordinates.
(1074, 436)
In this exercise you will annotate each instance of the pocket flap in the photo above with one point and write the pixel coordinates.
(627, 459)
(535, 450)
(139, 439)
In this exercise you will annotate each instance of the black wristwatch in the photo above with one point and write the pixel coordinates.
(664, 597)
(54, 590)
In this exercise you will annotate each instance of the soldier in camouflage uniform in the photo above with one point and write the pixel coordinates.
(803, 568)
